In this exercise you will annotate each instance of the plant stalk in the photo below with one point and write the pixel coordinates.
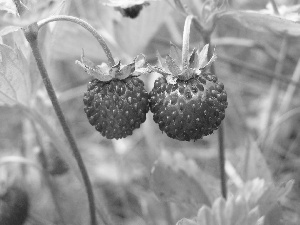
(207, 40)
(86, 26)
(31, 34)
(186, 41)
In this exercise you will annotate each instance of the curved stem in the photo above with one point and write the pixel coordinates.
(86, 26)
(31, 34)
(207, 40)
(186, 41)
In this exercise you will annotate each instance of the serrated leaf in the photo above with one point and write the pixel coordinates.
(126, 71)
(175, 53)
(172, 180)
(263, 22)
(15, 85)
(172, 66)
(211, 60)
(140, 61)
(141, 66)
(194, 59)
(161, 62)
(202, 56)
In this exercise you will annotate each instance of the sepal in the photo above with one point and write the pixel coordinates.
(105, 73)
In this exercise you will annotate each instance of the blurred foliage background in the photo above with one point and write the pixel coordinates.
(256, 66)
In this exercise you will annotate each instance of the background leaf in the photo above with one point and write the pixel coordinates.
(263, 22)
(15, 83)
(173, 179)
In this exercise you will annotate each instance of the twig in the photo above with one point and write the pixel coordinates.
(85, 25)
(31, 34)
(275, 8)
(168, 213)
(186, 41)
(207, 40)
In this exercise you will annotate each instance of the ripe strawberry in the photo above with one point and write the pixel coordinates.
(14, 206)
(116, 102)
(187, 102)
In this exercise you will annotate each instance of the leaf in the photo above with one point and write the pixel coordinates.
(263, 22)
(272, 195)
(255, 165)
(202, 56)
(15, 84)
(172, 66)
(8, 29)
(175, 53)
(8, 6)
(172, 179)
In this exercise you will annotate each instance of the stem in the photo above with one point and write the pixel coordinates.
(186, 41)
(31, 34)
(168, 213)
(207, 40)
(86, 26)
(275, 8)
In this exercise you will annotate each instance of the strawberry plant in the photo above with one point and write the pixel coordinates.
(149, 112)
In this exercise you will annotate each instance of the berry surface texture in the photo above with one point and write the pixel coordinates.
(116, 107)
(188, 109)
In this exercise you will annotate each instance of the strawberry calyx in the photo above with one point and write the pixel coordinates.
(104, 72)
(180, 64)
(172, 68)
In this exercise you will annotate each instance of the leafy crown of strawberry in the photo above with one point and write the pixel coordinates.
(104, 72)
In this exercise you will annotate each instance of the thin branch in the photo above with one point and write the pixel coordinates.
(31, 34)
(274, 6)
(86, 26)
(186, 41)
(207, 40)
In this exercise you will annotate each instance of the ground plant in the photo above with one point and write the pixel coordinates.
(160, 112)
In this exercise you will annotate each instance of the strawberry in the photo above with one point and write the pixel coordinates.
(116, 102)
(14, 206)
(188, 102)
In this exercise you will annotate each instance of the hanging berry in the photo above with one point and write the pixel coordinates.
(116, 102)
(188, 102)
